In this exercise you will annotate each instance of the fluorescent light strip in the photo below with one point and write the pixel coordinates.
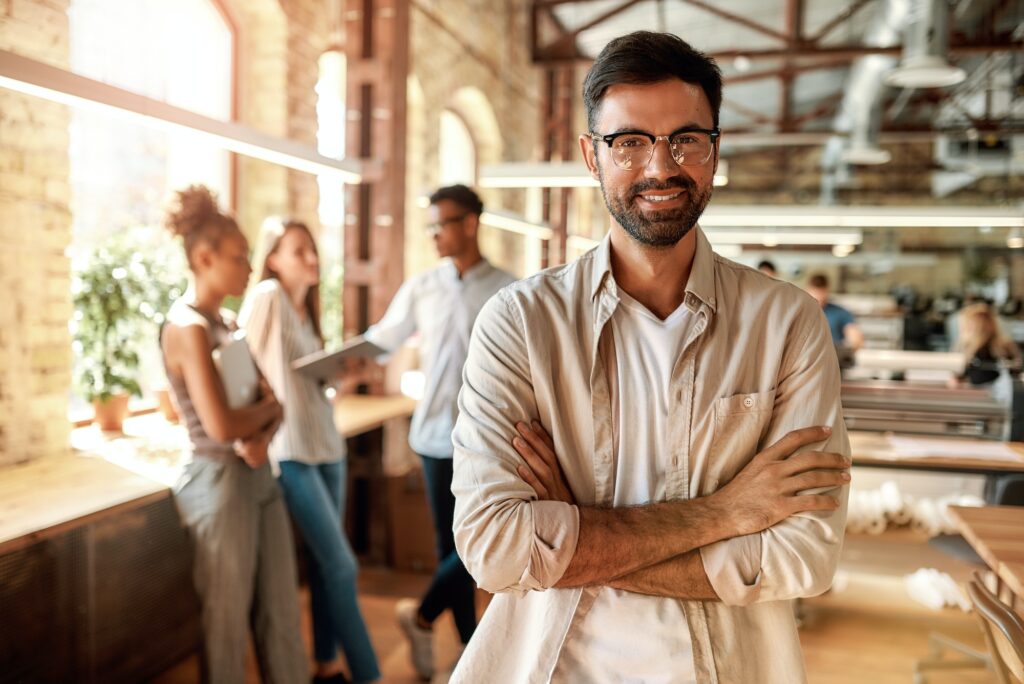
(773, 237)
(35, 78)
(536, 175)
(555, 175)
(513, 223)
(860, 217)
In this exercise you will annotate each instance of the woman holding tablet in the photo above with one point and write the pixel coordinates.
(227, 495)
(281, 317)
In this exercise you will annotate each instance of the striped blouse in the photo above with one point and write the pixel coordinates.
(277, 336)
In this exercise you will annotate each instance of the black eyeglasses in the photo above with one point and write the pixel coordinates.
(436, 227)
(634, 149)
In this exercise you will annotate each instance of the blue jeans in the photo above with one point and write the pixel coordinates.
(315, 498)
(452, 586)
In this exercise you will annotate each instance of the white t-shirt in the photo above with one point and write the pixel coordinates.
(627, 637)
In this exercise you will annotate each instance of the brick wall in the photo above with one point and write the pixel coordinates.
(460, 51)
(35, 227)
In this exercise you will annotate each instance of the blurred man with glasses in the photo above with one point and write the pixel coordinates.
(441, 305)
(650, 456)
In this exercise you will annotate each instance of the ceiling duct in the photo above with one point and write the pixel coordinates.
(859, 113)
(925, 61)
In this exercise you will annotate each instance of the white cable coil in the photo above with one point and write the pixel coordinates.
(872, 511)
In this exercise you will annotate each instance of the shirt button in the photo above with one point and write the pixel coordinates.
(748, 402)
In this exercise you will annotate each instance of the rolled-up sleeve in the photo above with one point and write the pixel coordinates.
(507, 539)
(798, 556)
(399, 321)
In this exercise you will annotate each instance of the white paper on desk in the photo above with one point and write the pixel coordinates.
(917, 447)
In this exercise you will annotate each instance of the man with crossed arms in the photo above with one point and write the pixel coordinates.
(654, 536)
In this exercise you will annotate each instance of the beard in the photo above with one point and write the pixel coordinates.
(661, 229)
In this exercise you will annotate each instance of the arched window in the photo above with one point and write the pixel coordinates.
(457, 152)
(177, 51)
(330, 142)
(122, 172)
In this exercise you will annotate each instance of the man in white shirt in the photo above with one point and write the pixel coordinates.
(441, 305)
(694, 478)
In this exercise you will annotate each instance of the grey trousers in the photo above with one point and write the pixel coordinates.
(244, 570)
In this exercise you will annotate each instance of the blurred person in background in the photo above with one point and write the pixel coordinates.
(986, 349)
(842, 323)
(281, 317)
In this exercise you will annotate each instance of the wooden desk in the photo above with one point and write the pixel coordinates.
(997, 534)
(873, 449)
(44, 497)
(355, 414)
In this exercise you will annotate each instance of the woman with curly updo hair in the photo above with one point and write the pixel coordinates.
(228, 497)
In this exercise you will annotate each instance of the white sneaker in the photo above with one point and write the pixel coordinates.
(421, 641)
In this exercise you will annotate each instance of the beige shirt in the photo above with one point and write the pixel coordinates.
(759, 363)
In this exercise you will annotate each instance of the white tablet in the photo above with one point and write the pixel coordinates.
(326, 365)
(237, 371)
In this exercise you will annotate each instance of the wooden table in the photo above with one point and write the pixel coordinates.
(997, 534)
(874, 449)
(46, 496)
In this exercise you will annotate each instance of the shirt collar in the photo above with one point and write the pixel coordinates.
(474, 272)
(702, 275)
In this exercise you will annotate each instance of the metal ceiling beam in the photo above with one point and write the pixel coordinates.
(755, 116)
(792, 69)
(1002, 43)
(737, 19)
(841, 18)
(567, 41)
(794, 29)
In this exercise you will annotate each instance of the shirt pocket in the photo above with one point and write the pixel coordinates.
(740, 424)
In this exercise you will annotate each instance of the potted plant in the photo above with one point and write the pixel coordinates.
(120, 295)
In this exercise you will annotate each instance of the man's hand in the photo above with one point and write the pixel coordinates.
(773, 485)
(542, 471)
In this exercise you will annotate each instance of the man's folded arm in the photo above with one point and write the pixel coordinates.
(509, 540)
(798, 556)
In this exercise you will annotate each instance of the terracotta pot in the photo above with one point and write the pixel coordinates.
(167, 408)
(110, 414)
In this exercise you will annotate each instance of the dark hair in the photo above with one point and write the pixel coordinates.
(460, 195)
(766, 264)
(818, 280)
(194, 216)
(644, 57)
(271, 234)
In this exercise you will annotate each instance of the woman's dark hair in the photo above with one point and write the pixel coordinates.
(644, 57)
(460, 195)
(194, 216)
(271, 233)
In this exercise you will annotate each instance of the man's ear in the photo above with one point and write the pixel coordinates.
(471, 224)
(589, 156)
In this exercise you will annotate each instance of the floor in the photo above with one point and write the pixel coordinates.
(846, 639)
